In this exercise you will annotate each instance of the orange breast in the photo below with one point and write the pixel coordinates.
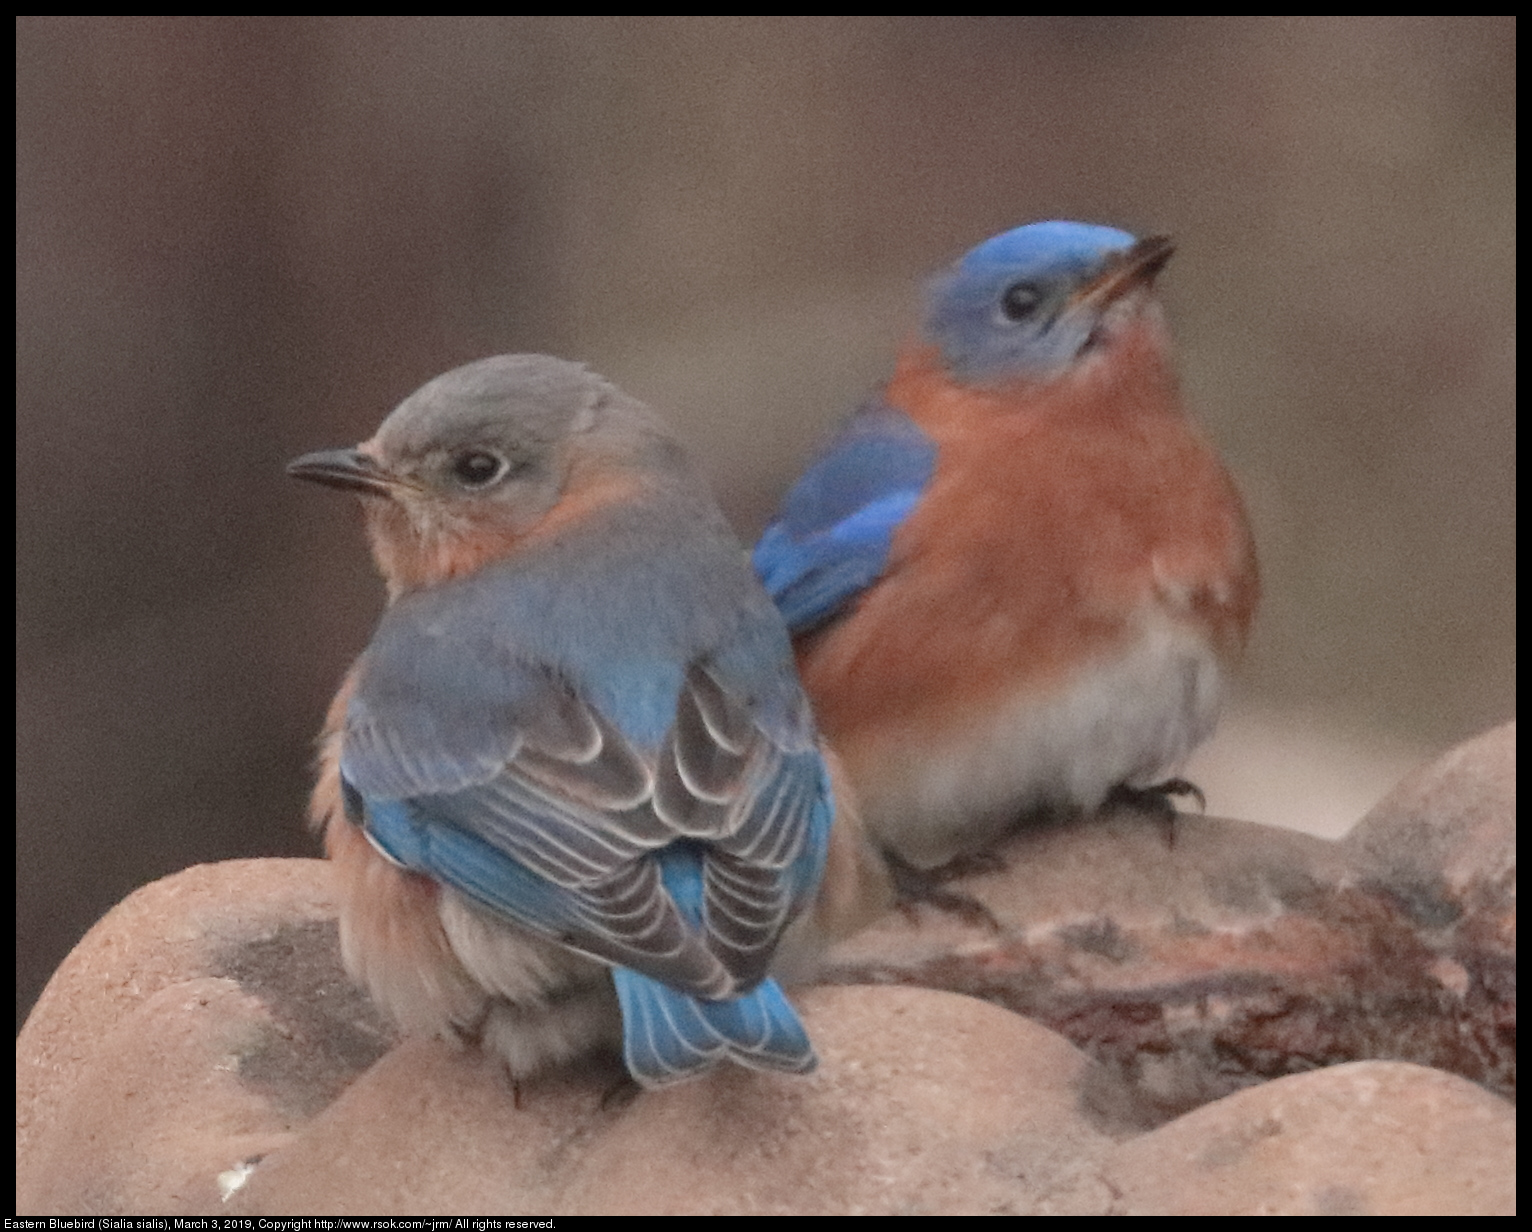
(1053, 516)
(392, 938)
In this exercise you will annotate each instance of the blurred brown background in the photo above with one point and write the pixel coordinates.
(239, 239)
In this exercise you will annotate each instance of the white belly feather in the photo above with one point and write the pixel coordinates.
(1130, 719)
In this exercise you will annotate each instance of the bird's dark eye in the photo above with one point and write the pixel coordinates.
(477, 468)
(1020, 301)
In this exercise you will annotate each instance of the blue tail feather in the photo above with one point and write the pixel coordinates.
(668, 1036)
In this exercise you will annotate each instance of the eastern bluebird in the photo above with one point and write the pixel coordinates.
(1018, 577)
(572, 788)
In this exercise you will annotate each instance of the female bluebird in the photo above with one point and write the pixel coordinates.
(572, 788)
(1017, 578)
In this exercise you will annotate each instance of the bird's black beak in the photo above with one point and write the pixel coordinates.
(1134, 267)
(348, 469)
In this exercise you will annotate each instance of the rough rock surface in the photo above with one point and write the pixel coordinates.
(201, 1051)
(1195, 962)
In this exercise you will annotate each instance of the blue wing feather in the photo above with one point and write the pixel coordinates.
(468, 863)
(676, 857)
(836, 527)
(668, 1036)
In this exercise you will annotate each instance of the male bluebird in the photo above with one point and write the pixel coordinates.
(572, 788)
(1017, 578)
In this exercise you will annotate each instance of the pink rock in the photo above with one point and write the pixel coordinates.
(1239, 953)
(201, 1051)
(1370, 1138)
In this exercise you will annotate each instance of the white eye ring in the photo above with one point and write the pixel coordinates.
(1019, 301)
(478, 468)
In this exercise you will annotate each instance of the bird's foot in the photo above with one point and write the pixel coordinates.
(1158, 800)
(916, 886)
(971, 864)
